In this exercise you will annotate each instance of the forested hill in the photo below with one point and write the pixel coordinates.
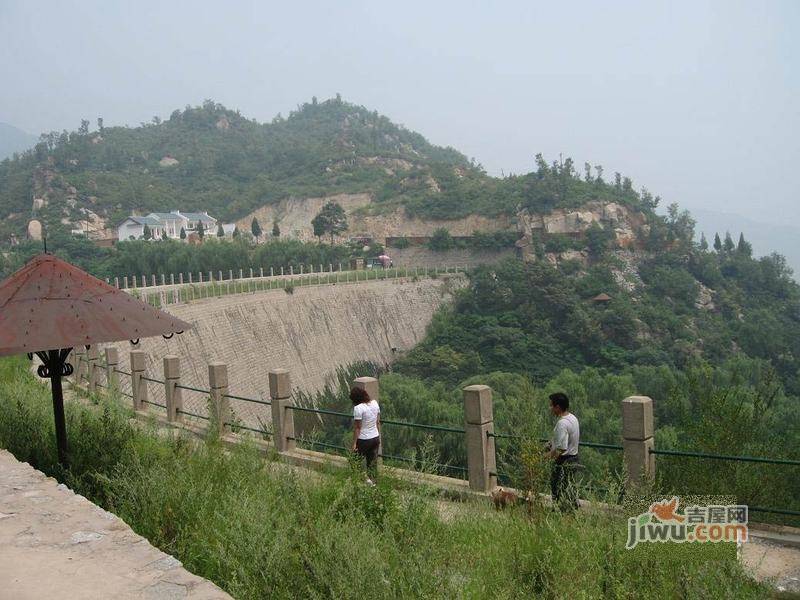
(215, 159)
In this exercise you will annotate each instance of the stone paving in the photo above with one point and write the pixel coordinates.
(56, 544)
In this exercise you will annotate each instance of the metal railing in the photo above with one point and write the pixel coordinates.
(450, 429)
(728, 457)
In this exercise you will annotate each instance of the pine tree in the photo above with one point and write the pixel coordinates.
(717, 243)
(183, 233)
(255, 228)
(164, 234)
(728, 243)
(220, 230)
(146, 233)
(276, 231)
(744, 247)
(201, 230)
(703, 242)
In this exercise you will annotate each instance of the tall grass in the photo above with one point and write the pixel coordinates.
(261, 530)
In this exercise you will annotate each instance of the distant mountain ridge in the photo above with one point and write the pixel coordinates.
(14, 139)
(212, 158)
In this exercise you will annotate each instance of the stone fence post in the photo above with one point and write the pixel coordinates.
(218, 383)
(92, 368)
(138, 385)
(479, 424)
(112, 362)
(369, 385)
(172, 393)
(280, 391)
(78, 363)
(637, 439)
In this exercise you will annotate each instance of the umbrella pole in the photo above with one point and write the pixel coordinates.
(58, 414)
(55, 366)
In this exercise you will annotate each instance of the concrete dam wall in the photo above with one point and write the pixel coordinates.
(310, 332)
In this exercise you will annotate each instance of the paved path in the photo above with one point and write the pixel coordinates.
(56, 544)
(768, 561)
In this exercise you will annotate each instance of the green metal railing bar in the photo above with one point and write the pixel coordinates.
(242, 398)
(414, 462)
(192, 389)
(320, 444)
(777, 511)
(191, 414)
(152, 380)
(121, 372)
(246, 428)
(321, 411)
(422, 426)
(506, 436)
(154, 404)
(755, 459)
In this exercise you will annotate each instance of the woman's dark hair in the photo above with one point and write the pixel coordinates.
(359, 395)
(560, 400)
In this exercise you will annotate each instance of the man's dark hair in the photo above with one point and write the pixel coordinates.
(560, 400)
(359, 395)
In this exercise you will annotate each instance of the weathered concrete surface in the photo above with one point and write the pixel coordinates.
(56, 544)
(311, 333)
(772, 563)
(458, 257)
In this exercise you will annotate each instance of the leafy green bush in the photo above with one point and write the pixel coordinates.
(441, 240)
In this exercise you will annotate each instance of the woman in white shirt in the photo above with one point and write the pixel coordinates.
(366, 430)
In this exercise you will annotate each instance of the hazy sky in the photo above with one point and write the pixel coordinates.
(698, 101)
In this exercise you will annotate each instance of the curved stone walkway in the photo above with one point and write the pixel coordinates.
(56, 544)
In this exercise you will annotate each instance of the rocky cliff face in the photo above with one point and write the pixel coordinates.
(295, 214)
(629, 227)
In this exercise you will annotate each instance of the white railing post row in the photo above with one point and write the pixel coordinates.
(138, 385)
(637, 440)
(180, 278)
(92, 369)
(479, 423)
(116, 282)
(172, 393)
(112, 362)
(172, 278)
(218, 384)
(280, 391)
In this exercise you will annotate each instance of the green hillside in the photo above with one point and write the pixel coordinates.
(230, 165)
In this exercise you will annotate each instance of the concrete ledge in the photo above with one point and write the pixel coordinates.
(56, 544)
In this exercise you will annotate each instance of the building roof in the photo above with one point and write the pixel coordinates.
(602, 297)
(148, 220)
(50, 304)
(199, 217)
(173, 216)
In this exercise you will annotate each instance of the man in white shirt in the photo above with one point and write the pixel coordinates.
(564, 452)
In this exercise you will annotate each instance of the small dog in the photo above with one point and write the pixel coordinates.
(504, 498)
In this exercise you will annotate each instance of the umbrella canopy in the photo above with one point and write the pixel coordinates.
(49, 307)
(50, 304)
